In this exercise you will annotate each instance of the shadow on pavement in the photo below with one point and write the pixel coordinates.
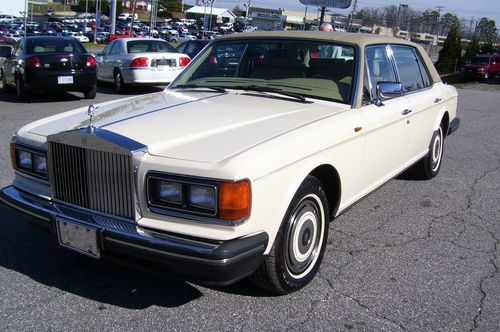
(32, 251)
(35, 253)
(57, 96)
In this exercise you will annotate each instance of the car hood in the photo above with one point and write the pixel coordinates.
(197, 126)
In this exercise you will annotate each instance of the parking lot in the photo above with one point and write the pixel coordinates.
(414, 255)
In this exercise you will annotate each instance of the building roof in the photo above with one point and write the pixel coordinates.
(207, 10)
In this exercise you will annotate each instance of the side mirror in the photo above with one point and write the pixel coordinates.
(387, 90)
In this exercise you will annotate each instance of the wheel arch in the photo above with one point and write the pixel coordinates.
(330, 179)
(445, 121)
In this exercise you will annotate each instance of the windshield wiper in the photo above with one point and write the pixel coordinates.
(193, 86)
(258, 88)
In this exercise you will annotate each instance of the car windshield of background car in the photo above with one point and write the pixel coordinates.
(314, 69)
(140, 46)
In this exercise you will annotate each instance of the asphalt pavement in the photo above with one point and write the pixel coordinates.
(415, 255)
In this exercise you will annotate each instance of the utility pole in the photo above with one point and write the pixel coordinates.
(439, 8)
(133, 18)
(25, 16)
(210, 19)
(396, 27)
(353, 12)
(113, 16)
(322, 17)
(305, 17)
(472, 19)
(248, 4)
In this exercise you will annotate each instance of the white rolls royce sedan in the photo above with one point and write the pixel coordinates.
(237, 168)
(127, 61)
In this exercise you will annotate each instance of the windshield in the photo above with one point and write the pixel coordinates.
(480, 61)
(314, 69)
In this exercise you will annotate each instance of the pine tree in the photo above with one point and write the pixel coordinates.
(449, 56)
(472, 49)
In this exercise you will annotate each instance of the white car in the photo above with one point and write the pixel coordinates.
(180, 38)
(81, 38)
(128, 61)
(127, 16)
(237, 168)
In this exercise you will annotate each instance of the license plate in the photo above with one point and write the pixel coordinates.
(78, 237)
(64, 79)
(165, 62)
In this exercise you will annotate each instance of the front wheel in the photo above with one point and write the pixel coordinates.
(429, 166)
(298, 249)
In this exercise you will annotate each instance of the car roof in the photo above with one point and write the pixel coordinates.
(142, 39)
(361, 39)
(49, 37)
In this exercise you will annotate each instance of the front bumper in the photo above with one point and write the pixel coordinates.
(208, 262)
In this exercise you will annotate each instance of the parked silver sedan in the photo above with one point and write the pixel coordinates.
(139, 61)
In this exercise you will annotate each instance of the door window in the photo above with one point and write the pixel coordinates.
(107, 49)
(378, 67)
(116, 49)
(412, 73)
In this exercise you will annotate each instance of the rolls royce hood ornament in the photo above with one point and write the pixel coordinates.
(91, 112)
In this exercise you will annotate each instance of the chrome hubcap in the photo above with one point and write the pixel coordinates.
(304, 236)
(437, 150)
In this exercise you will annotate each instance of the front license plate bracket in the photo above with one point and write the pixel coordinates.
(78, 237)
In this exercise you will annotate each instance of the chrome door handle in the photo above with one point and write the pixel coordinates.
(406, 111)
(437, 100)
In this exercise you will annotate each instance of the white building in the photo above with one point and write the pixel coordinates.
(219, 15)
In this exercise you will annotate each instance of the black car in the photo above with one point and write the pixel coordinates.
(49, 63)
(192, 47)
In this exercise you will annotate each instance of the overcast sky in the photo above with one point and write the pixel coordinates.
(462, 8)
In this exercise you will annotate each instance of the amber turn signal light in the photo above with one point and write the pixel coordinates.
(13, 155)
(234, 200)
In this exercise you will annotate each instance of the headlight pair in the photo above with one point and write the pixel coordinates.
(221, 200)
(29, 160)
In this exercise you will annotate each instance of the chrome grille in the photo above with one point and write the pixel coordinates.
(97, 180)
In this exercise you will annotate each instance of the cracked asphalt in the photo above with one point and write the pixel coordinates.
(415, 255)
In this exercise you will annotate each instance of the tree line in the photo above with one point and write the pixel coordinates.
(429, 21)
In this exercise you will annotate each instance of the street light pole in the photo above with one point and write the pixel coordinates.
(396, 27)
(247, 12)
(25, 16)
(210, 20)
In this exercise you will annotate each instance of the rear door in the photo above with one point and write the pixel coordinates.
(425, 98)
